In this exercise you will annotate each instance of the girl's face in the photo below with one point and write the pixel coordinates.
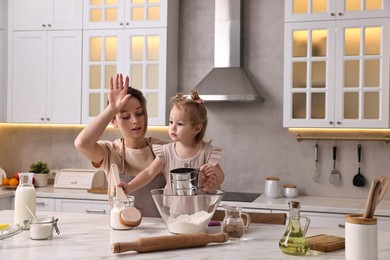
(180, 127)
(131, 119)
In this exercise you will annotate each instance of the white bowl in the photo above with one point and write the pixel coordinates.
(290, 192)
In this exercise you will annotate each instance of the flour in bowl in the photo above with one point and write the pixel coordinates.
(188, 224)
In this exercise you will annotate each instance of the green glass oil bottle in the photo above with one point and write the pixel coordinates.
(293, 241)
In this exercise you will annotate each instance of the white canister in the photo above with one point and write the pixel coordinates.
(361, 239)
(272, 189)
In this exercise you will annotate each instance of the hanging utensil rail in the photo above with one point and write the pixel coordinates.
(330, 138)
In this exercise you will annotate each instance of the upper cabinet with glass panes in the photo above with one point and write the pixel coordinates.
(336, 73)
(322, 10)
(106, 14)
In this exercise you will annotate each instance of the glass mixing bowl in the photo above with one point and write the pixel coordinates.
(186, 214)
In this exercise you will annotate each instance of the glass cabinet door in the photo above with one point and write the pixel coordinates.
(309, 79)
(125, 14)
(101, 61)
(143, 59)
(321, 10)
(362, 95)
(145, 63)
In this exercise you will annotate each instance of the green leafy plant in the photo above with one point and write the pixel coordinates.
(39, 167)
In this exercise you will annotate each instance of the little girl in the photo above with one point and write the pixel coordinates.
(187, 127)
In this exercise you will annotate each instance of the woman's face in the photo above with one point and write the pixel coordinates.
(180, 126)
(131, 120)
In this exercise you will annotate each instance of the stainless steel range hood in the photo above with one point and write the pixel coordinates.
(227, 81)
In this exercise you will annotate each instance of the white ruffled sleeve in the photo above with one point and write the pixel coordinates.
(215, 155)
(158, 150)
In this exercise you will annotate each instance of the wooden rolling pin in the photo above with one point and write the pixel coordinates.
(150, 244)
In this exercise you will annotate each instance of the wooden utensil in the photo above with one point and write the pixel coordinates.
(374, 184)
(151, 244)
(379, 192)
(119, 190)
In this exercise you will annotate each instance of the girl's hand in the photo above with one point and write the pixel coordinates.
(209, 177)
(117, 95)
(125, 187)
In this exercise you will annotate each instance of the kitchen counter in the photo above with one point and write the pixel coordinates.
(88, 236)
(308, 203)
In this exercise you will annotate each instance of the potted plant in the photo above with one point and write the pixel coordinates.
(40, 170)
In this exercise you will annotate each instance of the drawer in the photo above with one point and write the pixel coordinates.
(45, 204)
(83, 206)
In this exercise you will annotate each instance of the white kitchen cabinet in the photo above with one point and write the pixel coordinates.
(46, 204)
(6, 203)
(83, 206)
(46, 14)
(337, 73)
(2, 15)
(45, 77)
(320, 10)
(147, 54)
(125, 14)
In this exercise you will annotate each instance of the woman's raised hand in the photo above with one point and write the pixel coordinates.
(117, 95)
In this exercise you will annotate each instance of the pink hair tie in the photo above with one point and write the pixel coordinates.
(199, 101)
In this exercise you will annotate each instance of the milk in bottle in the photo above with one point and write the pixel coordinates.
(24, 196)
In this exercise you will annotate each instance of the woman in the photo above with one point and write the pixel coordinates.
(132, 153)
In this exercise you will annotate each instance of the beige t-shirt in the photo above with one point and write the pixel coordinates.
(129, 165)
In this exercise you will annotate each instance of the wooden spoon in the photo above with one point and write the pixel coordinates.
(374, 184)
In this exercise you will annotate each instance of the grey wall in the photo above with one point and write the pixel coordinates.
(254, 142)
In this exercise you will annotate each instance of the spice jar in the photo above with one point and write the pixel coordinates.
(233, 223)
(124, 215)
(42, 227)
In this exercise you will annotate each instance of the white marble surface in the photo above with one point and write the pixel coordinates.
(308, 203)
(88, 236)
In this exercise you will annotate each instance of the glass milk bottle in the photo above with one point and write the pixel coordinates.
(24, 196)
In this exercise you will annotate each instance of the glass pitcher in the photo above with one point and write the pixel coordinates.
(233, 223)
(293, 241)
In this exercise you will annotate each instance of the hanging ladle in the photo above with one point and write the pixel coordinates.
(359, 180)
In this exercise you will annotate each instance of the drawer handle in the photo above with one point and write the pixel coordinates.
(341, 226)
(96, 211)
(42, 203)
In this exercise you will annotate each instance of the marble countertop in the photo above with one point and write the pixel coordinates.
(308, 203)
(88, 236)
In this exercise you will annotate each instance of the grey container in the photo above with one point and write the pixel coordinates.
(184, 181)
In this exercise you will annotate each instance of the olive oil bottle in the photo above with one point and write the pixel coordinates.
(293, 241)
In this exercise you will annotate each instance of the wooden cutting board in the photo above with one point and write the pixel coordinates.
(326, 243)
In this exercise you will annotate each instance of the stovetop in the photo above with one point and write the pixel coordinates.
(240, 196)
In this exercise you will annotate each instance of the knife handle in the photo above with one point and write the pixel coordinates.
(151, 244)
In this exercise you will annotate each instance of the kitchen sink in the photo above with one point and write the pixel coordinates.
(240, 196)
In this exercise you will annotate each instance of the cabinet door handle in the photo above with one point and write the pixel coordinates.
(47, 119)
(96, 211)
(338, 122)
(341, 226)
(49, 25)
(127, 23)
(121, 24)
(341, 14)
(41, 203)
(42, 119)
(43, 25)
(332, 14)
(331, 122)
